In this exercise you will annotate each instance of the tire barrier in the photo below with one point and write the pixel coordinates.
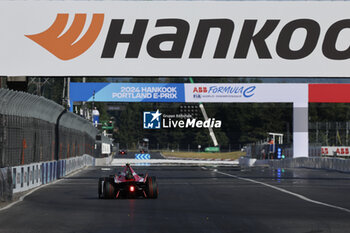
(33, 175)
(34, 129)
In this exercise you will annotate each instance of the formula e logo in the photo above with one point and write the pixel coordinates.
(65, 47)
(152, 120)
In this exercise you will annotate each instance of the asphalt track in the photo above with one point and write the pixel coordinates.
(191, 199)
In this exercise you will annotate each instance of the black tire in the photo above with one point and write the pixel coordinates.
(100, 194)
(152, 187)
(109, 190)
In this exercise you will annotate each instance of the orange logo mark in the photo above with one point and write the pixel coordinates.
(65, 47)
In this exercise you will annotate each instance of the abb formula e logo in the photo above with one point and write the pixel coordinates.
(200, 90)
(228, 90)
(65, 47)
(249, 37)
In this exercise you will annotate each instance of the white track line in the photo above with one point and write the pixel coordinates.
(286, 191)
(161, 155)
(106, 169)
(117, 162)
(37, 188)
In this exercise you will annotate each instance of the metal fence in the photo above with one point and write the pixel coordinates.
(34, 129)
(266, 151)
(329, 133)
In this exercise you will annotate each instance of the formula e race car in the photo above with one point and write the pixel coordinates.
(127, 184)
(123, 152)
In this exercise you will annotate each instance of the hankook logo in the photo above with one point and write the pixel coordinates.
(65, 47)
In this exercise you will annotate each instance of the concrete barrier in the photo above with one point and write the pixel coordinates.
(5, 184)
(335, 164)
(103, 161)
(33, 175)
(247, 162)
(27, 176)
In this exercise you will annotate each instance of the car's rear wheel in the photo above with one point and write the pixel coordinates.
(152, 187)
(109, 190)
(100, 194)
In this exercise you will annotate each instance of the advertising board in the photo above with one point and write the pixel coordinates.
(175, 38)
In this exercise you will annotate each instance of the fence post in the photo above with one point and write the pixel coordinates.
(327, 134)
(347, 133)
(316, 132)
(3, 140)
(2, 147)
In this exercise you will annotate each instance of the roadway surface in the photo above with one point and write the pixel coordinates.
(191, 199)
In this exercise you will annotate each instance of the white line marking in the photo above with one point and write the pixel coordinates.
(286, 191)
(105, 169)
(117, 162)
(39, 187)
(162, 155)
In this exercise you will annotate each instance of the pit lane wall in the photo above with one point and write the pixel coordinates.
(32, 175)
(335, 164)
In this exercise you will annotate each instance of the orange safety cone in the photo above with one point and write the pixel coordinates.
(24, 146)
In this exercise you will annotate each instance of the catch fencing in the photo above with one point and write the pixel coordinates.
(330, 133)
(34, 129)
(40, 142)
(266, 151)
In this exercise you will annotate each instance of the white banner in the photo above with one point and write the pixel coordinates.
(247, 93)
(335, 150)
(61, 38)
